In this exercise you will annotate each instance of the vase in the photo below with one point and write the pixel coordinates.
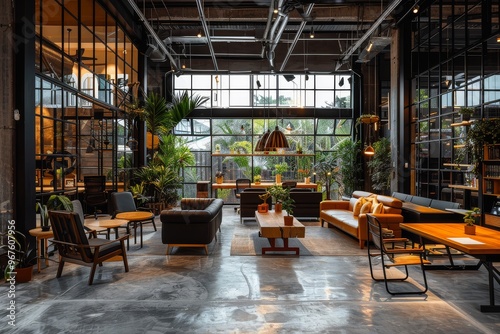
(278, 207)
(219, 179)
(288, 220)
(278, 178)
(470, 229)
(263, 208)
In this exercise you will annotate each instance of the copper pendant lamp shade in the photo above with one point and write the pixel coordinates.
(369, 150)
(276, 140)
(259, 147)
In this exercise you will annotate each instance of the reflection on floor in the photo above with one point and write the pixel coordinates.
(189, 292)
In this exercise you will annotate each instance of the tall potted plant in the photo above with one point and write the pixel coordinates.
(22, 257)
(381, 165)
(279, 194)
(288, 205)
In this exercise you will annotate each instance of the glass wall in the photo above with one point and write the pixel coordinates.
(86, 74)
(455, 64)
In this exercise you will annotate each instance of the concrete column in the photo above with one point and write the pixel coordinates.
(7, 123)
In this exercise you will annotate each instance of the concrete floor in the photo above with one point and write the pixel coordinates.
(189, 292)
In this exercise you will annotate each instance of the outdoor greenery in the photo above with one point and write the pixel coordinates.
(381, 166)
(349, 166)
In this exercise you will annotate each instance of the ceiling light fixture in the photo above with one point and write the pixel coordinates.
(199, 34)
(311, 34)
(369, 150)
(415, 9)
(498, 39)
(341, 82)
(258, 84)
(370, 46)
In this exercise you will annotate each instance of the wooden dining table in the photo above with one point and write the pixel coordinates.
(484, 245)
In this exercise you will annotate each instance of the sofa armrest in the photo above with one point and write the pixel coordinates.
(333, 205)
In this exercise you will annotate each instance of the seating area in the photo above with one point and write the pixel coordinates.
(421, 209)
(350, 216)
(194, 224)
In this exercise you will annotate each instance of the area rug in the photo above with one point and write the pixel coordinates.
(319, 241)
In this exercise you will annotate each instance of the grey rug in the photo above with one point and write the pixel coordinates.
(319, 241)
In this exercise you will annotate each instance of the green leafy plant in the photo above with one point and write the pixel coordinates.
(278, 193)
(381, 165)
(482, 132)
(23, 255)
(280, 168)
(469, 217)
(55, 202)
(257, 178)
(287, 202)
(138, 191)
(466, 111)
(349, 166)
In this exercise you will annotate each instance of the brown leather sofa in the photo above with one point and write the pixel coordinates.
(195, 224)
(340, 214)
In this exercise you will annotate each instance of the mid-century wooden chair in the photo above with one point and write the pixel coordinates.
(73, 245)
(398, 254)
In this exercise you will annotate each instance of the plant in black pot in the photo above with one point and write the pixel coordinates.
(21, 257)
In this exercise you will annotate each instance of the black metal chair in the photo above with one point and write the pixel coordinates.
(95, 194)
(396, 255)
(241, 184)
(73, 245)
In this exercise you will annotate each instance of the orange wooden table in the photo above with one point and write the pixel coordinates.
(272, 227)
(135, 218)
(484, 245)
(42, 238)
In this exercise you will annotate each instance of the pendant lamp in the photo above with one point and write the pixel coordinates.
(276, 140)
(369, 150)
(261, 143)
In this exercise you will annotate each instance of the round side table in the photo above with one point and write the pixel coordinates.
(42, 237)
(136, 218)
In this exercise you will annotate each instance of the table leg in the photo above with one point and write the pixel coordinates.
(285, 248)
(39, 252)
(492, 275)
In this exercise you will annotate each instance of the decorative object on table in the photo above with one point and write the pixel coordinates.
(22, 257)
(257, 179)
(299, 148)
(219, 177)
(279, 194)
(469, 220)
(466, 113)
(264, 207)
(217, 148)
(279, 169)
(288, 205)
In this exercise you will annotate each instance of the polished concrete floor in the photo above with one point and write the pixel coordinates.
(189, 292)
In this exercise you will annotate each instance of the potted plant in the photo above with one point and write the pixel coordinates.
(367, 119)
(55, 202)
(219, 177)
(217, 148)
(299, 147)
(279, 194)
(466, 113)
(279, 169)
(469, 220)
(22, 257)
(257, 179)
(288, 205)
(381, 166)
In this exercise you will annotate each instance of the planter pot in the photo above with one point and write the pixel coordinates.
(465, 117)
(257, 182)
(263, 208)
(24, 274)
(219, 179)
(470, 229)
(278, 207)
(288, 220)
(46, 228)
(278, 178)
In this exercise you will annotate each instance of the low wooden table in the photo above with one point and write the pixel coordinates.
(135, 218)
(42, 238)
(272, 227)
(107, 224)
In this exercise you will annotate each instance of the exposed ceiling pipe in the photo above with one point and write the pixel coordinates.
(370, 31)
(207, 33)
(153, 34)
(281, 21)
(297, 37)
(268, 24)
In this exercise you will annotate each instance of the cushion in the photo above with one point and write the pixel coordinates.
(357, 206)
(366, 207)
(378, 208)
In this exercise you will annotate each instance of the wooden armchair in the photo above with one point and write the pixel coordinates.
(73, 245)
(396, 255)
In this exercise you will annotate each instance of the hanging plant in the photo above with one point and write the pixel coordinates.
(482, 132)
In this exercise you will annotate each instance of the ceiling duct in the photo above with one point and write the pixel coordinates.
(374, 46)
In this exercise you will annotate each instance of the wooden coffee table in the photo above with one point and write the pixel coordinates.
(135, 218)
(272, 227)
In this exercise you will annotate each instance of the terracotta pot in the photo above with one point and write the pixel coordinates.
(219, 179)
(263, 208)
(288, 220)
(470, 229)
(278, 207)
(278, 178)
(24, 274)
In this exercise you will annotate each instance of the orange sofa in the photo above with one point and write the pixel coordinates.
(341, 215)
